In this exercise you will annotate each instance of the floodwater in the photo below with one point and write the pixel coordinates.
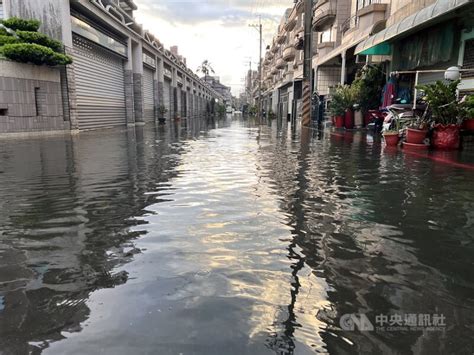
(233, 238)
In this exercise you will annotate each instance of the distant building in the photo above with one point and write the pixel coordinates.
(221, 89)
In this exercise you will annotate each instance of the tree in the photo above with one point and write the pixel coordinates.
(205, 68)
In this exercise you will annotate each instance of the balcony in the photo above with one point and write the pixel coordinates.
(291, 23)
(349, 24)
(300, 7)
(325, 47)
(281, 37)
(275, 48)
(324, 15)
(274, 71)
(280, 64)
(289, 53)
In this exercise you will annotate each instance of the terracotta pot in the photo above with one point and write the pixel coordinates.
(349, 119)
(446, 136)
(468, 125)
(339, 121)
(416, 136)
(415, 146)
(391, 139)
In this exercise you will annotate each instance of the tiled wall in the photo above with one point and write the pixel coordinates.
(327, 77)
(30, 105)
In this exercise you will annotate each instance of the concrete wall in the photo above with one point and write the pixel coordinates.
(30, 98)
(53, 14)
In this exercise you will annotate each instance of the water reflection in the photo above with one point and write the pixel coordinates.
(222, 236)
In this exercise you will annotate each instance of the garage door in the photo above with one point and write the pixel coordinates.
(99, 86)
(148, 95)
(167, 97)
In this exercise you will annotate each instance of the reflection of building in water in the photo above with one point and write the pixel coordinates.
(67, 205)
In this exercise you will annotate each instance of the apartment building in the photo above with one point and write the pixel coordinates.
(404, 36)
(121, 73)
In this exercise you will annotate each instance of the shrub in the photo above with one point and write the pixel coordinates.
(41, 39)
(19, 24)
(7, 40)
(442, 98)
(34, 53)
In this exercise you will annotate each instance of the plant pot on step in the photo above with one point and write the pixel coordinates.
(446, 137)
(349, 119)
(339, 121)
(468, 124)
(391, 138)
(416, 136)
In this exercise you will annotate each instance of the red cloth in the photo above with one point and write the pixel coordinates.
(388, 94)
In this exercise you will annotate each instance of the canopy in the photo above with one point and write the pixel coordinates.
(418, 19)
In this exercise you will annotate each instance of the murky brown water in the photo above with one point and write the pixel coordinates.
(238, 239)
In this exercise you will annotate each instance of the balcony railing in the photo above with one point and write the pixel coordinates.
(324, 17)
(351, 22)
(289, 53)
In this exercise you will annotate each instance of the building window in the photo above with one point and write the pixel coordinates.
(325, 36)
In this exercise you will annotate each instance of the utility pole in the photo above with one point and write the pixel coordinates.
(260, 74)
(308, 59)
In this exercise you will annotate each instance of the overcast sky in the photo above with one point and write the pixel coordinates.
(217, 30)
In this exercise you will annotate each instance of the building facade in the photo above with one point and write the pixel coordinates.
(121, 74)
(419, 39)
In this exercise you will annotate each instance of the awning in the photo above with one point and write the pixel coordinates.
(383, 48)
(419, 19)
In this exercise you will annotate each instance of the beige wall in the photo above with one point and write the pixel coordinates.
(402, 8)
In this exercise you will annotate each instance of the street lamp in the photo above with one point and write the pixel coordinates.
(452, 74)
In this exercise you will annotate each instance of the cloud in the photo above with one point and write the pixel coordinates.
(217, 30)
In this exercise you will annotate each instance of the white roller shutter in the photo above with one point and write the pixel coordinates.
(148, 95)
(99, 85)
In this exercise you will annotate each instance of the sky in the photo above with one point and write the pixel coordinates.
(216, 30)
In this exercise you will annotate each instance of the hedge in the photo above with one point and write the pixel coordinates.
(34, 53)
(41, 39)
(7, 40)
(19, 24)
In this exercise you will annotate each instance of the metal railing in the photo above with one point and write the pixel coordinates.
(351, 22)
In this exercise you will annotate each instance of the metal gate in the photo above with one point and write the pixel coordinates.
(167, 98)
(100, 86)
(148, 95)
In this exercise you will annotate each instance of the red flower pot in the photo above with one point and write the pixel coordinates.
(468, 125)
(349, 119)
(339, 121)
(416, 136)
(391, 139)
(446, 136)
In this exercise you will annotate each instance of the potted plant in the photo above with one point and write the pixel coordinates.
(445, 113)
(369, 84)
(468, 123)
(417, 130)
(337, 107)
(162, 110)
(392, 135)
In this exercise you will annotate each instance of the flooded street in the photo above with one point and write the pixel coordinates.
(230, 238)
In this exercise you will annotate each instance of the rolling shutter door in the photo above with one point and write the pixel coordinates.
(167, 97)
(100, 86)
(148, 95)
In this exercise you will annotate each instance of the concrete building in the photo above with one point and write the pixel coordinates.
(215, 83)
(427, 36)
(120, 76)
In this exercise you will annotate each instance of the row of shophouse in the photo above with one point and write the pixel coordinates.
(403, 36)
(121, 73)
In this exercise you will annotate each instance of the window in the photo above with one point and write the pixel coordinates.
(1, 9)
(325, 36)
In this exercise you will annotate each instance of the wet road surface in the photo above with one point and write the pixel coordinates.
(231, 238)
